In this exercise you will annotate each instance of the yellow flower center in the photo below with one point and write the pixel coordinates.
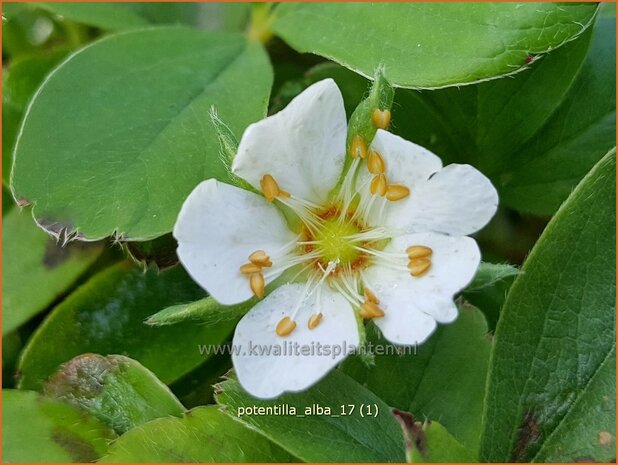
(334, 242)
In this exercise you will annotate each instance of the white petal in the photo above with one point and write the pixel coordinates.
(407, 163)
(269, 375)
(217, 229)
(413, 305)
(302, 146)
(457, 200)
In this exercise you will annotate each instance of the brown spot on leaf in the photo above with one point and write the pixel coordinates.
(605, 438)
(413, 433)
(82, 377)
(529, 433)
(57, 228)
(79, 450)
(23, 202)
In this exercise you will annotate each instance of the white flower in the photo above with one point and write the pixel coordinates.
(384, 240)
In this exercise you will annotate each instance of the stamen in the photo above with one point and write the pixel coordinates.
(351, 287)
(260, 258)
(310, 287)
(371, 310)
(318, 298)
(390, 260)
(285, 326)
(378, 185)
(305, 203)
(250, 268)
(381, 118)
(380, 219)
(375, 163)
(396, 192)
(358, 147)
(256, 281)
(419, 266)
(291, 260)
(374, 234)
(352, 298)
(418, 251)
(381, 254)
(315, 320)
(364, 205)
(346, 192)
(370, 296)
(365, 314)
(271, 189)
(306, 214)
(299, 272)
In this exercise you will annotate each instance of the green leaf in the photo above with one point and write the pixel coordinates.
(206, 311)
(169, 12)
(225, 16)
(577, 436)
(608, 9)
(489, 274)
(430, 45)
(20, 82)
(430, 442)
(117, 390)
(441, 447)
(35, 429)
(580, 131)
(535, 134)
(112, 16)
(204, 434)
(106, 315)
(135, 136)
(443, 379)
(118, 16)
(342, 435)
(37, 269)
(554, 354)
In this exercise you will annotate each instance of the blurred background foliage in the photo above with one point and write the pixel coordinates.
(535, 135)
(38, 36)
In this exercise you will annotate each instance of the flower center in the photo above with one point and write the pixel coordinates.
(334, 243)
(337, 242)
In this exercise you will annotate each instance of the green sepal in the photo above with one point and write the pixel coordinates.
(206, 311)
(228, 147)
(380, 98)
(364, 356)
